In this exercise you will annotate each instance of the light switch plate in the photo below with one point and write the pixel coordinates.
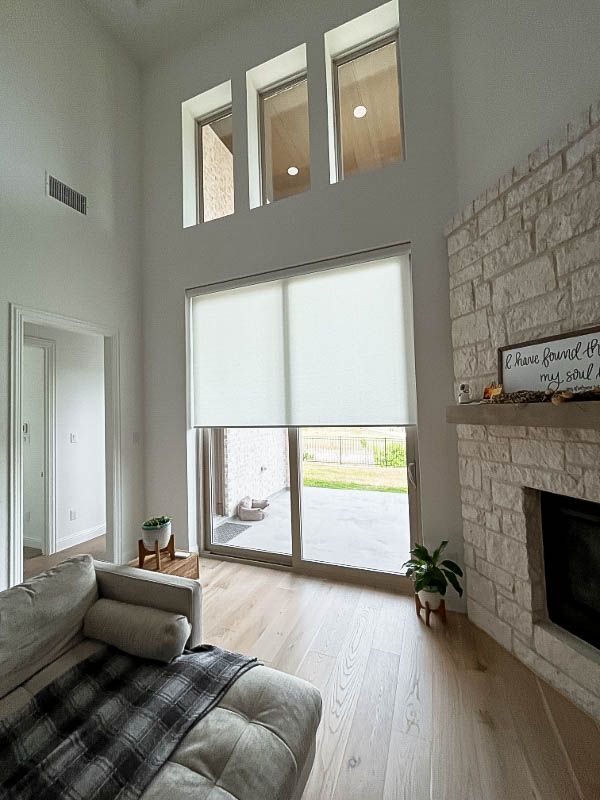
(73, 438)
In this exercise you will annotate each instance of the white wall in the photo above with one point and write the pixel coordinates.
(407, 202)
(520, 71)
(484, 82)
(80, 466)
(69, 100)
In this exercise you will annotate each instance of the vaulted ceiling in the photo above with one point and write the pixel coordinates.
(148, 28)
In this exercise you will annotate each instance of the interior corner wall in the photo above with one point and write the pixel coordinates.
(70, 100)
(520, 69)
(405, 202)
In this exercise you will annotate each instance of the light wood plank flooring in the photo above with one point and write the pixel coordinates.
(33, 566)
(408, 713)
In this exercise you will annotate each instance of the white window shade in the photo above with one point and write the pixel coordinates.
(328, 348)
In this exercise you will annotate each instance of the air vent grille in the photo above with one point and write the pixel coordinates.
(64, 194)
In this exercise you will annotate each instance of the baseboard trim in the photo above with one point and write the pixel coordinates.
(63, 543)
(35, 544)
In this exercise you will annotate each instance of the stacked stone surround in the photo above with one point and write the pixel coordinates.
(524, 262)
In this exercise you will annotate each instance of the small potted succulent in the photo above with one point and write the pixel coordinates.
(431, 576)
(156, 529)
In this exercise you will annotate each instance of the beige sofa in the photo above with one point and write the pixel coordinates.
(257, 744)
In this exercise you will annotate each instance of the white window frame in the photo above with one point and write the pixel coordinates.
(265, 94)
(364, 49)
(199, 107)
(260, 79)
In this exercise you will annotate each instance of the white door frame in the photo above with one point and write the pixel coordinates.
(49, 348)
(19, 316)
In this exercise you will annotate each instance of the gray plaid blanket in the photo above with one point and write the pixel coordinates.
(104, 729)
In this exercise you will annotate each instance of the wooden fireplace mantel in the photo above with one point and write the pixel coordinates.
(541, 415)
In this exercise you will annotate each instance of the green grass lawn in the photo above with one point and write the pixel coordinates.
(367, 479)
(364, 487)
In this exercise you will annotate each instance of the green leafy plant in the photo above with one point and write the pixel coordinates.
(394, 455)
(156, 522)
(429, 573)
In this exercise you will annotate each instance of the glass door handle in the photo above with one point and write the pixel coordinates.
(412, 474)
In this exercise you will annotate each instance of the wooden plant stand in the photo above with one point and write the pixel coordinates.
(188, 567)
(143, 552)
(441, 610)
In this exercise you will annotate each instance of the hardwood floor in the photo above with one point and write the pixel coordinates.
(33, 566)
(408, 713)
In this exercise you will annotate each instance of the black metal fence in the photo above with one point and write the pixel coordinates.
(375, 452)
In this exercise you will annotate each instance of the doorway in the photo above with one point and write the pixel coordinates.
(65, 432)
(356, 492)
(38, 445)
(332, 501)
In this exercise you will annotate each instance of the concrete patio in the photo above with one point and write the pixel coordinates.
(364, 529)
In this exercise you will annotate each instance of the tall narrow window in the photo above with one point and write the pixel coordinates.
(215, 166)
(368, 108)
(285, 156)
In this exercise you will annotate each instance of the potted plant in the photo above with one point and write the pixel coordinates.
(156, 529)
(431, 576)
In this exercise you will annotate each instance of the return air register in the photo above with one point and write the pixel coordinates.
(64, 194)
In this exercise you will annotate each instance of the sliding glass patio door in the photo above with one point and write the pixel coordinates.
(329, 500)
(355, 497)
(247, 493)
(291, 376)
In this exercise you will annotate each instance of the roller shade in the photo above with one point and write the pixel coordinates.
(327, 348)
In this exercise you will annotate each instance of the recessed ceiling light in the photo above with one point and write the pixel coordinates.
(360, 112)
(293, 170)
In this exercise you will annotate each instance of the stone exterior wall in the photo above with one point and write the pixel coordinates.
(524, 261)
(256, 463)
(217, 176)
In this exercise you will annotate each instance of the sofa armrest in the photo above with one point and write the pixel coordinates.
(153, 590)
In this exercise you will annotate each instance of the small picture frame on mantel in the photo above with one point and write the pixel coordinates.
(566, 362)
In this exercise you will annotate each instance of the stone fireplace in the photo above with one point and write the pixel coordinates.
(571, 544)
(524, 261)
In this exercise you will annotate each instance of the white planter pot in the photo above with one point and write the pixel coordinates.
(152, 535)
(433, 598)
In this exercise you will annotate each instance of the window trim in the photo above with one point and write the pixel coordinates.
(209, 119)
(344, 58)
(264, 94)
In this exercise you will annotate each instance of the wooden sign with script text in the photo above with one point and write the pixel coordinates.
(570, 361)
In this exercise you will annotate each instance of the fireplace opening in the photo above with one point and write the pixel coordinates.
(571, 535)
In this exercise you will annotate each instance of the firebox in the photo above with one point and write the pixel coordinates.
(571, 535)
